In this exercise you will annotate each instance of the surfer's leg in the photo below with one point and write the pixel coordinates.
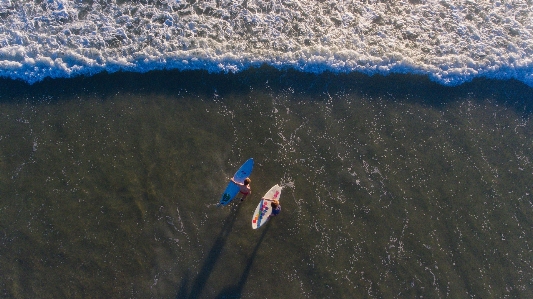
(243, 196)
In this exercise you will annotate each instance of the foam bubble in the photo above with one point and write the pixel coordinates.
(452, 42)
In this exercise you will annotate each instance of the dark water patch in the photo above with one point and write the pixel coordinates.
(404, 87)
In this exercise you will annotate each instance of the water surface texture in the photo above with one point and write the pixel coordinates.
(400, 131)
(394, 187)
(449, 41)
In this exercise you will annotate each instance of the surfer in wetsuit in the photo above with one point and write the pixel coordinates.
(244, 188)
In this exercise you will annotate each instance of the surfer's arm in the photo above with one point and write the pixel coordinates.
(240, 184)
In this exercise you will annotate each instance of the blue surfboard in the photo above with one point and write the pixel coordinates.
(232, 189)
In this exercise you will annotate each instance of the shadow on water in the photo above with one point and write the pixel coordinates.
(235, 291)
(209, 262)
(415, 88)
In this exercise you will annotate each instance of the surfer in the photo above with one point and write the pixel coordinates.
(276, 208)
(244, 188)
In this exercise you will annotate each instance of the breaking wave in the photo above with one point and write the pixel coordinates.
(450, 41)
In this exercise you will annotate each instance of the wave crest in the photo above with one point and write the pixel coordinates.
(450, 41)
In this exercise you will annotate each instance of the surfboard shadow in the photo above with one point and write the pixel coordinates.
(209, 262)
(235, 291)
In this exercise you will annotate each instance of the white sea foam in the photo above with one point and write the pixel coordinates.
(450, 41)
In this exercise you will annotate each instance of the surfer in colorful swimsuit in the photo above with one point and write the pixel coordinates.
(244, 188)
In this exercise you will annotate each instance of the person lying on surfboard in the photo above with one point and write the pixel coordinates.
(244, 188)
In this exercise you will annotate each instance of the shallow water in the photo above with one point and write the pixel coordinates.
(393, 187)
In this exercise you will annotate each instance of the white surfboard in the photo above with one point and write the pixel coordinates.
(264, 208)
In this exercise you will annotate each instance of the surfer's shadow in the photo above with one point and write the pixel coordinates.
(235, 291)
(209, 262)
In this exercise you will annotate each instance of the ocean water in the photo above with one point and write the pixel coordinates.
(394, 186)
(401, 133)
